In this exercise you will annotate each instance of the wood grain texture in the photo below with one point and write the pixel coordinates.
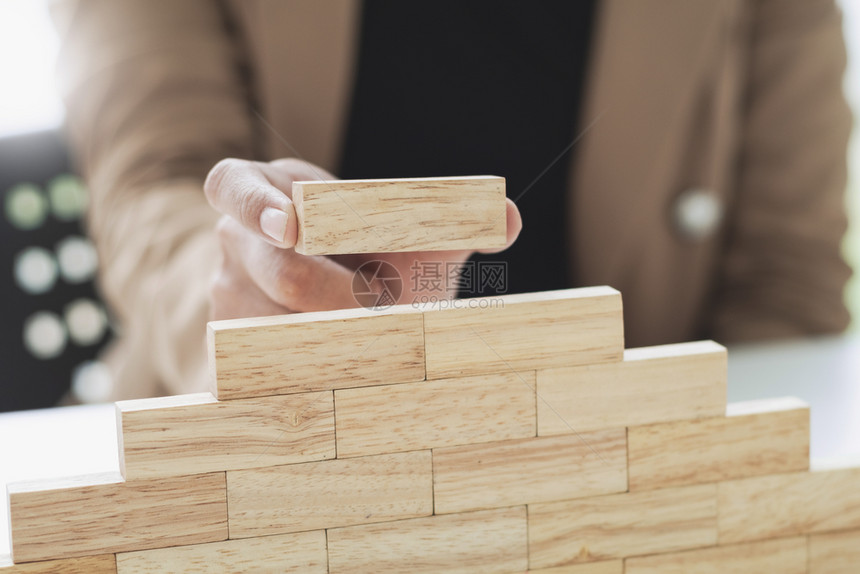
(432, 414)
(785, 556)
(102, 564)
(529, 470)
(756, 438)
(483, 542)
(303, 552)
(789, 504)
(834, 553)
(318, 495)
(621, 525)
(192, 434)
(388, 215)
(524, 332)
(605, 567)
(99, 514)
(652, 384)
(315, 351)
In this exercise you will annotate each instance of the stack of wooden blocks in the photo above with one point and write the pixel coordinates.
(498, 435)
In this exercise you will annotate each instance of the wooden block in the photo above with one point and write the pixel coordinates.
(303, 552)
(432, 414)
(317, 495)
(785, 556)
(487, 541)
(102, 564)
(605, 567)
(529, 470)
(315, 351)
(524, 332)
(834, 553)
(99, 514)
(620, 525)
(387, 215)
(191, 434)
(789, 504)
(652, 384)
(755, 438)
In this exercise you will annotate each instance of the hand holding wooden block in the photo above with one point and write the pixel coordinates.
(390, 215)
(492, 436)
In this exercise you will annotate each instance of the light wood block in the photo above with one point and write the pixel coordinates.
(99, 514)
(303, 552)
(529, 470)
(318, 495)
(785, 556)
(605, 567)
(652, 384)
(315, 351)
(756, 438)
(834, 553)
(387, 215)
(432, 414)
(789, 504)
(487, 541)
(525, 332)
(192, 434)
(102, 564)
(620, 525)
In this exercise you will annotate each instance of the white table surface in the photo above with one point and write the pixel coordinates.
(825, 373)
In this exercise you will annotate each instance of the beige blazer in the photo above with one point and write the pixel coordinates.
(708, 189)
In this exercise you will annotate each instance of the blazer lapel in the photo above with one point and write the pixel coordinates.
(306, 51)
(645, 59)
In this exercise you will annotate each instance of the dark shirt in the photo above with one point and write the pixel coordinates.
(466, 87)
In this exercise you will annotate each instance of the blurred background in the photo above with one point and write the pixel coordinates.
(53, 323)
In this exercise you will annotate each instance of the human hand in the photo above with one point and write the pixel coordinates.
(261, 275)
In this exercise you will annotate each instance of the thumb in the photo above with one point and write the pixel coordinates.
(240, 189)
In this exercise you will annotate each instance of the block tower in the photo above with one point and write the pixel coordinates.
(497, 435)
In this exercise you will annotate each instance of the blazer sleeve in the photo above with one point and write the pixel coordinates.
(784, 274)
(156, 94)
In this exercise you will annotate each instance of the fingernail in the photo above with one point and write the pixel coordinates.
(273, 222)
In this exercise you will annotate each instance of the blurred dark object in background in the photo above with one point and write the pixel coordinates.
(52, 323)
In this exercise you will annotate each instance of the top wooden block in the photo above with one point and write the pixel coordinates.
(524, 332)
(389, 215)
(319, 351)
